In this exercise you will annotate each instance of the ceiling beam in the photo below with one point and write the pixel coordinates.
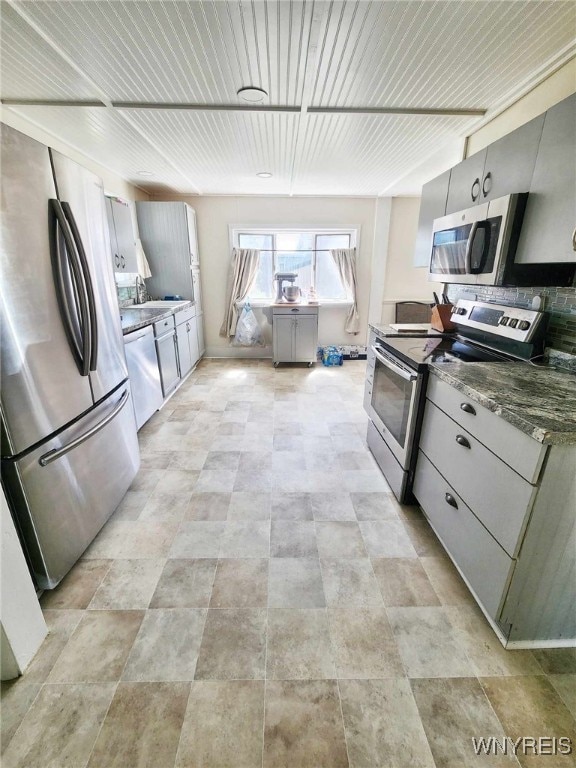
(195, 107)
(396, 111)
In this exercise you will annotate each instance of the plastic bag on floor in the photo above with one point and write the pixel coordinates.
(248, 331)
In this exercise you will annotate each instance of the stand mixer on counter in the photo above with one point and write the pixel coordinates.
(291, 293)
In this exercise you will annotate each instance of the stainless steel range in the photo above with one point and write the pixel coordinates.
(397, 372)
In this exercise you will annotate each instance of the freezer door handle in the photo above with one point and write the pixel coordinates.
(93, 328)
(71, 290)
(57, 453)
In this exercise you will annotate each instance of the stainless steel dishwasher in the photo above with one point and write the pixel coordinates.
(165, 333)
(144, 373)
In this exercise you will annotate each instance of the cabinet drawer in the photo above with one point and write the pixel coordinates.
(184, 315)
(484, 564)
(295, 310)
(498, 496)
(163, 326)
(518, 450)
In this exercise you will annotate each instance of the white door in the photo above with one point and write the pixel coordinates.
(305, 337)
(283, 339)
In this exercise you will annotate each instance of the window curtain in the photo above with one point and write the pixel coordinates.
(243, 269)
(345, 260)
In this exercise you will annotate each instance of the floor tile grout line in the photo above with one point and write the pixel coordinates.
(343, 723)
(102, 723)
(479, 679)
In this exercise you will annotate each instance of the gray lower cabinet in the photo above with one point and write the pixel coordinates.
(295, 334)
(165, 335)
(549, 228)
(187, 341)
(505, 517)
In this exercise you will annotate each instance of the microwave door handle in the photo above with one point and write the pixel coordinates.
(469, 246)
(485, 227)
(389, 364)
(88, 287)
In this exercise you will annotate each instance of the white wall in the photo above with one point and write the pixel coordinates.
(215, 215)
(22, 625)
(403, 281)
(554, 89)
(114, 184)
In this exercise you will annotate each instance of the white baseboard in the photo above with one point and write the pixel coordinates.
(533, 644)
(239, 352)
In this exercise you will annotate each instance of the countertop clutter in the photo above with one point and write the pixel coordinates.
(140, 315)
(387, 331)
(539, 401)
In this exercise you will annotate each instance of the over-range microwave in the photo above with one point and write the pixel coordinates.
(477, 246)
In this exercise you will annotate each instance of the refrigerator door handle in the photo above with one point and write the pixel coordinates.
(87, 284)
(57, 453)
(80, 347)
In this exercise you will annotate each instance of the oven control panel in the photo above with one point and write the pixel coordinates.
(514, 323)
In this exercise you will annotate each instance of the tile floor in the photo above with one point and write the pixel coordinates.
(260, 599)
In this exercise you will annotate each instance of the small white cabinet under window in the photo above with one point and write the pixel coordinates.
(295, 333)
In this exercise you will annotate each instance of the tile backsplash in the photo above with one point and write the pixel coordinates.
(560, 303)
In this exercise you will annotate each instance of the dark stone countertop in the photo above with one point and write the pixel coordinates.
(538, 400)
(139, 315)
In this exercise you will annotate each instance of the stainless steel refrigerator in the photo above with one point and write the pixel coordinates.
(69, 445)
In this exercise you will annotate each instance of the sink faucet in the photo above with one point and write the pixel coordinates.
(140, 286)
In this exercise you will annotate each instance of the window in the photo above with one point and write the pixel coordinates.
(305, 252)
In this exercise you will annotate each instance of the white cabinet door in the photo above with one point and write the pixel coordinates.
(192, 236)
(197, 290)
(184, 355)
(305, 338)
(283, 332)
(200, 330)
(124, 257)
(192, 328)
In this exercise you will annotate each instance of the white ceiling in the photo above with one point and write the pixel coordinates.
(448, 55)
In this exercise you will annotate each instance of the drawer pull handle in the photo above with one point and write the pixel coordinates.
(451, 500)
(467, 408)
(461, 440)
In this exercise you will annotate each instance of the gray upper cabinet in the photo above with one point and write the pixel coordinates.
(121, 235)
(510, 161)
(465, 188)
(548, 232)
(504, 167)
(170, 245)
(432, 206)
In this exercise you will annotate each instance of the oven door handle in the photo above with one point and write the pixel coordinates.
(397, 370)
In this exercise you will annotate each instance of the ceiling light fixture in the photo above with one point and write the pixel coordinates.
(264, 175)
(145, 173)
(252, 94)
